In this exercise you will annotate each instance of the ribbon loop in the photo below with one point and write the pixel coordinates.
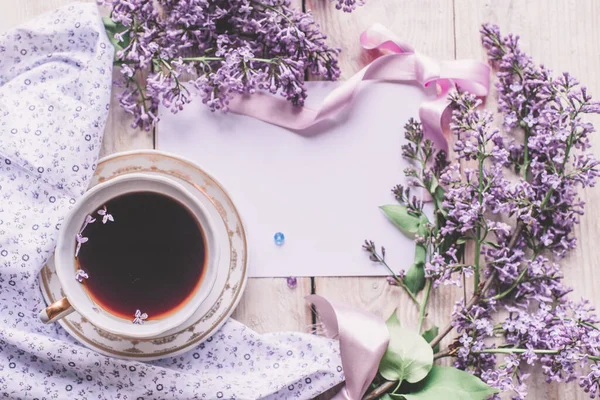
(379, 37)
(401, 64)
(363, 337)
(472, 76)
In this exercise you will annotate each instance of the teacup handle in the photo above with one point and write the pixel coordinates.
(55, 311)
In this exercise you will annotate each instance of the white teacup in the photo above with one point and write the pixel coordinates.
(76, 296)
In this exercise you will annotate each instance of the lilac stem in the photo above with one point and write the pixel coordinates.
(478, 241)
(526, 153)
(536, 351)
(424, 304)
(397, 279)
(380, 390)
(478, 293)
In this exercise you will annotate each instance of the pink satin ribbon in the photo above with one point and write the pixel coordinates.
(363, 337)
(403, 64)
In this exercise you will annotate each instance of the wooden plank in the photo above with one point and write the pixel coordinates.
(428, 26)
(560, 34)
(269, 305)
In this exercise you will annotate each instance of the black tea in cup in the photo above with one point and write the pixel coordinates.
(145, 251)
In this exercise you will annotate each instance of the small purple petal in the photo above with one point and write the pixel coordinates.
(392, 281)
(77, 249)
(139, 317)
(292, 282)
(81, 239)
(81, 275)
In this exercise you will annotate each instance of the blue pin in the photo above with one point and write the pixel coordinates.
(279, 238)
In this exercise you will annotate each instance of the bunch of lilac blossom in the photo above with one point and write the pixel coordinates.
(513, 255)
(512, 198)
(223, 48)
(347, 5)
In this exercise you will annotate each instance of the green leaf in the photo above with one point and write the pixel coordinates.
(420, 254)
(109, 24)
(434, 184)
(399, 215)
(408, 356)
(495, 245)
(113, 27)
(438, 198)
(439, 193)
(430, 334)
(450, 383)
(415, 276)
(423, 221)
(391, 396)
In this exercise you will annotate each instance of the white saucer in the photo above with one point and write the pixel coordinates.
(231, 274)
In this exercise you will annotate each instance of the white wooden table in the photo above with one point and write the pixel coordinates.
(562, 34)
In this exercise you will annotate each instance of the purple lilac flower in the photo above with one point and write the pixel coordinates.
(519, 313)
(542, 326)
(106, 216)
(507, 378)
(519, 227)
(292, 282)
(224, 48)
(347, 5)
(558, 160)
(590, 382)
(88, 220)
(80, 240)
(79, 237)
(80, 275)
(139, 317)
(541, 283)
(395, 280)
(446, 270)
(474, 327)
(466, 200)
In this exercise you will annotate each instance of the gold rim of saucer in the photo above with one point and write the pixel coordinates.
(154, 156)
